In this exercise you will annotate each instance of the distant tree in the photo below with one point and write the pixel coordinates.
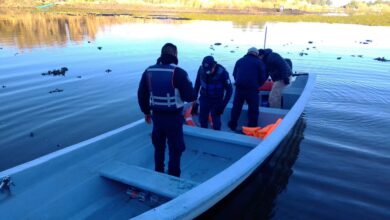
(353, 4)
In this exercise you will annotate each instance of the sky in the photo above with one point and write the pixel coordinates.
(344, 2)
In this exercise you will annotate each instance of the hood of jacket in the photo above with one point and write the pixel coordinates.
(265, 52)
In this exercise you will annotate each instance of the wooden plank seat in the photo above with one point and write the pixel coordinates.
(222, 136)
(149, 180)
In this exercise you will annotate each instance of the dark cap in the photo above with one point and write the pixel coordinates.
(169, 48)
(208, 64)
(265, 52)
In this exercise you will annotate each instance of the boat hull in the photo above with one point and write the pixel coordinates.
(216, 161)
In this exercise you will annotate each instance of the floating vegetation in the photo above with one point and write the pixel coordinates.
(58, 72)
(56, 90)
(365, 42)
(382, 59)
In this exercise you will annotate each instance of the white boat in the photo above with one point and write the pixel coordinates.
(112, 175)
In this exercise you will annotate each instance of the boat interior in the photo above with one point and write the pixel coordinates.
(112, 176)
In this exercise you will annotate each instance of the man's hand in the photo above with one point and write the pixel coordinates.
(148, 119)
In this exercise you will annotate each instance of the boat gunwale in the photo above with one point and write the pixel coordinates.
(48, 157)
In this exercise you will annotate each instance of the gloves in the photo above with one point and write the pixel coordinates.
(195, 107)
(286, 81)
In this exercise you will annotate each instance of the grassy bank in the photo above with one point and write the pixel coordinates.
(242, 16)
(302, 5)
(249, 14)
(370, 19)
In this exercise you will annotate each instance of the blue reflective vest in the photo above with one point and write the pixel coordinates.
(212, 84)
(163, 95)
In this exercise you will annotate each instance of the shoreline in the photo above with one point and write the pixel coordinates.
(126, 8)
(222, 14)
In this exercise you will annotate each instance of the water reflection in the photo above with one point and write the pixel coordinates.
(27, 31)
(256, 197)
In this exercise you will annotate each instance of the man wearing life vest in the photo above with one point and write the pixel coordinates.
(249, 75)
(215, 91)
(161, 94)
(280, 71)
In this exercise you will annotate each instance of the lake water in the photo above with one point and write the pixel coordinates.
(341, 167)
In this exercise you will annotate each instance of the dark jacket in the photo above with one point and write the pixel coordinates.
(249, 73)
(215, 85)
(276, 66)
(181, 82)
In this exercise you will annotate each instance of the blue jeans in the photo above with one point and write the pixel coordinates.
(251, 97)
(209, 106)
(168, 128)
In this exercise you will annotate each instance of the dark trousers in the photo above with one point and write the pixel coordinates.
(208, 106)
(168, 128)
(251, 97)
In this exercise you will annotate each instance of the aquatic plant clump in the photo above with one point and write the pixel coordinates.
(56, 72)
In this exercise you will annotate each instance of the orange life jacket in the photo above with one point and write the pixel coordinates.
(190, 121)
(261, 132)
(267, 86)
(188, 117)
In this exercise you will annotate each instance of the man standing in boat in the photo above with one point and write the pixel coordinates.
(161, 94)
(215, 91)
(249, 74)
(280, 71)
